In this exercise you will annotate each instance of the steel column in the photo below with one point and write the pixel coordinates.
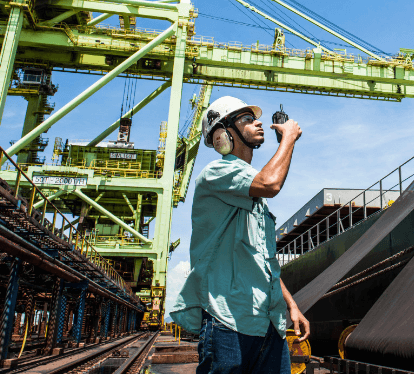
(121, 321)
(365, 205)
(134, 320)
(97, 321)
(7, 317)
(114, 321)
(164, 203)
(88, 93)
(28, 313)
(381, 193)
(129, 320)
(61, 319)
(29, 124)
(8, 50)
(301, 244)
(43, 320)
(77, 329)
(17, 322)
(104, 332)
(54, 316)
(70, 320)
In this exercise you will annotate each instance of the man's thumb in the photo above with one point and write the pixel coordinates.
(296, 328)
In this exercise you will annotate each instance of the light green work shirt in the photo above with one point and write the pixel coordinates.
(235, 275)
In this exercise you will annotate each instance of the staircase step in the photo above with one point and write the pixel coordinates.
(175, 358)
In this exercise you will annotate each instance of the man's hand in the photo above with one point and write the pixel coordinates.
(300, 323)
(287, 129)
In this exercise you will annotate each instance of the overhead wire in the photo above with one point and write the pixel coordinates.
(284, 19)
(306, 32)
(228, 20)
(278, 16)
(335, 27)
(282, 15)
(260, 20)
(252, 14)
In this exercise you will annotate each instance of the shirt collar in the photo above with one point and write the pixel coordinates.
(231, 157)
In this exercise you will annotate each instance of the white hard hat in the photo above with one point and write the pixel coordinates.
(220, 109)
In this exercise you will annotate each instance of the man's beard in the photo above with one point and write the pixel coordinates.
(251, 140)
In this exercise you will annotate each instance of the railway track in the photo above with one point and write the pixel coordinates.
(75, 360)
(135, 362)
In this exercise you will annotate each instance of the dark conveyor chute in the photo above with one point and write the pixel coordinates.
(313, 291)
(385, 334)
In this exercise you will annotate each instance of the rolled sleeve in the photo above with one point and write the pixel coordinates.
(230, 181)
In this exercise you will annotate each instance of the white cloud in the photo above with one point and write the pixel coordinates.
(175, 281)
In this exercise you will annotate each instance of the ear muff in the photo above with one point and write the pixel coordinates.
(223, 141)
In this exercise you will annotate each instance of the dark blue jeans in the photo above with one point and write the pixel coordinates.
(222, 350)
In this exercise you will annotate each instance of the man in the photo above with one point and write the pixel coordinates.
(234, 291)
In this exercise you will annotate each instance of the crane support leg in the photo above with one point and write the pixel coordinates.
(29, 124)
(9, 307)
(8, 51)
(87, 93)
(164, 203)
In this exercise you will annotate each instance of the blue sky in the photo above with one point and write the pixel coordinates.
(346, 143)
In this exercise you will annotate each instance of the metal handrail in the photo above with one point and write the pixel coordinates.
(79, 241)
(292, 248)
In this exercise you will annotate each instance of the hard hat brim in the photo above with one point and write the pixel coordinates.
(255, 109)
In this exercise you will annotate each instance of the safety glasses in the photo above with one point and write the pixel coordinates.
(245, 119)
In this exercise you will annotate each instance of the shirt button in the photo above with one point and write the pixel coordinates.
(272, 287)
(268, 313)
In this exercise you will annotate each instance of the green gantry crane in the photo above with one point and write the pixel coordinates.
(114, 190)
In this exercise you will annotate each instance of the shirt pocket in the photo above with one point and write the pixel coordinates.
(247, 229)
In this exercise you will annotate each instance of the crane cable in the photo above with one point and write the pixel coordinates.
(332, 25)
(259, 19)
(306, 33)
(228, 20)
(123, 98)
(287, 22)
(129, 100)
